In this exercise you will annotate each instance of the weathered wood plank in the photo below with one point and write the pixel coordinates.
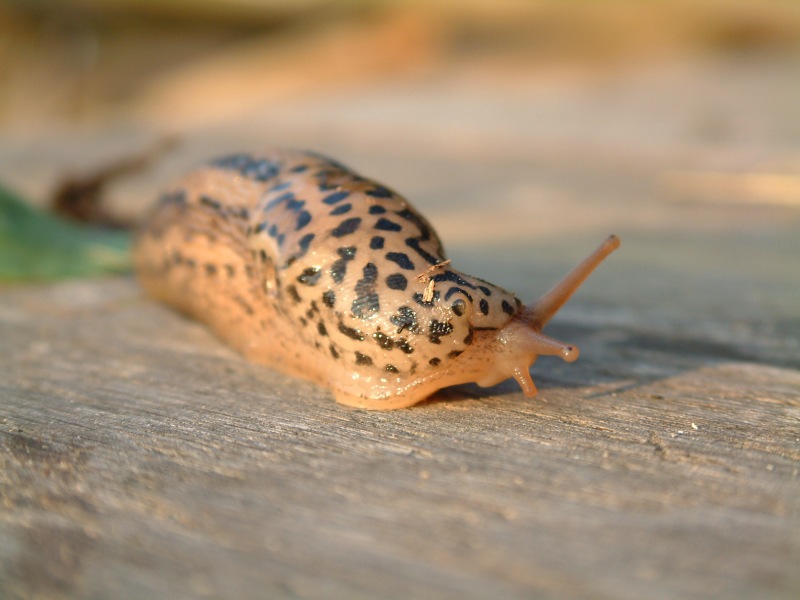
(139, 457)
(142, 457)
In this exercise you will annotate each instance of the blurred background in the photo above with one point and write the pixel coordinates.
(534, 125)
(705, 83)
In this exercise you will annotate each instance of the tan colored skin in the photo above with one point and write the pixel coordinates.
(308, 268)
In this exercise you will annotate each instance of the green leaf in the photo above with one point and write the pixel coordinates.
(35, 245)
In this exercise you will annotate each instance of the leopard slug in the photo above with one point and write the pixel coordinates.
(306, 267)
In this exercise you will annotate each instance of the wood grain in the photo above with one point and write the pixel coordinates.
(139, 457)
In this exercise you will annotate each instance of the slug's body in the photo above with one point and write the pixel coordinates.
(304, 266)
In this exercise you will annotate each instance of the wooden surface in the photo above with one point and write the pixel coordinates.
(141, 458)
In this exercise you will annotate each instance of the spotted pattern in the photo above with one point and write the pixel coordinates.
(345, 263)
(372, 289)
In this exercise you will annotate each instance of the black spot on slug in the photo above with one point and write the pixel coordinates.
(249, 166)
(329, 298)
(385, 224)
(245, 306)
(376, 243)
(470, 336)
(292, 291)
(338, 270)
(413, 243)
(363, 359)
(339, 267)
(379, 192)
(456, 290)
(404, 346)
(420, 299)
(335, 197)
(434, 361)
(346, 227)
(459, 306)
(241, 212)
(507, 308)
(405, 319)
(438, 329)
(294, 204)
(304, 243)
(348, 252)
(279, 187)
(383, 340)
(309, 276)
(334, 353)
(341, 209)
(454, 277)
(483, 306)
(351, 332)
(397, 281)
(321, 329)
(303, 219)
(366, 302)
(211, 203)
(402, 260)
(376, 209)
(389, 368)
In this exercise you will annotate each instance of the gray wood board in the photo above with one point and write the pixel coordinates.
(142, 458)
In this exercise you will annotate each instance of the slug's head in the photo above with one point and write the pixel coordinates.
(509, 350)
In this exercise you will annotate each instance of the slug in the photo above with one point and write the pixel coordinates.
(304, 266)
